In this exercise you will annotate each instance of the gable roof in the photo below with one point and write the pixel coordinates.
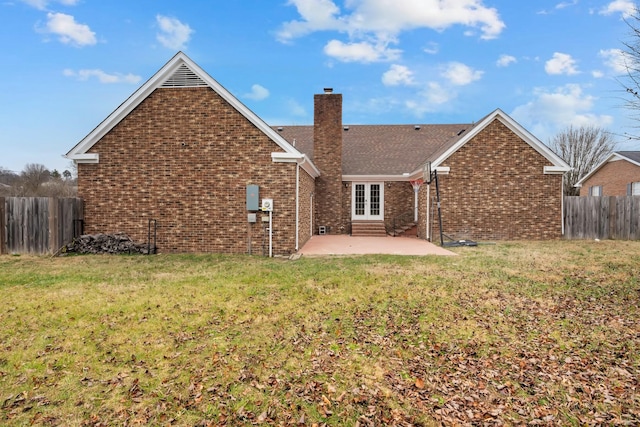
(630, 156)
(557, 164)
(181, 71)
(400, 151)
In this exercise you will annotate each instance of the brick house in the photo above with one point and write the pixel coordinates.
(184, 157)
(617, 175)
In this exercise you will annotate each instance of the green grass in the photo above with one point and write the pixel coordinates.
(514, 333)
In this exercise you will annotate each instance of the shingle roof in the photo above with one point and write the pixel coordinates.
(631, 155)
(382, 149)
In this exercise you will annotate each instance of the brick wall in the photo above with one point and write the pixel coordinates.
(496, 190)
(327, 156)
(613, 177)
(307, 187)
(184, 157)
(398, 199)
(345, 226)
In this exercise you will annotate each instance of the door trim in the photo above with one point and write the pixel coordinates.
(368, 207)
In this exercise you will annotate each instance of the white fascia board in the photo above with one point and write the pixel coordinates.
(621, 157)
(156, 81)
(613, 157)
(516, 128)
(419, 173)
(555, 170)
(594, 170)
(534, 142)
(376, 178)
(84, 158)
(300, 159)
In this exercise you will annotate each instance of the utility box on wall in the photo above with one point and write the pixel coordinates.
(253, 201)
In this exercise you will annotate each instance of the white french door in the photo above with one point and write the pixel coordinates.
(367, 201)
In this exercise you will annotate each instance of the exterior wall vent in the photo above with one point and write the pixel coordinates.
(184, 77)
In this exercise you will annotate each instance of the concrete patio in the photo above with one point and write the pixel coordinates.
(348, 245)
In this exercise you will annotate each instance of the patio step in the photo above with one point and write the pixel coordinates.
(368, 229)
(410, 229)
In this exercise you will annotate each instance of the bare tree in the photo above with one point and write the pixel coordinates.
(631, 60)
(583, 149)
(32, 178)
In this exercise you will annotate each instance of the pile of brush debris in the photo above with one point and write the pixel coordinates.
(106, 244)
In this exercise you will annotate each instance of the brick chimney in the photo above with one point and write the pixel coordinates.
(327, 156)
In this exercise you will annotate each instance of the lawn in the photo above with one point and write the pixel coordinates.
(514, 333)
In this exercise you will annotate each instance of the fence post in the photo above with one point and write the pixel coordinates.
(3, 227)
(54, 235)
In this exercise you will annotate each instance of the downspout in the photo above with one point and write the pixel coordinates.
(415, 204)
(311, 215)
(428, 215)
(304, 159)
(562, 204)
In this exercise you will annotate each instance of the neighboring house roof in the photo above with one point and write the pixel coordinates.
(630, 156)
(402, 150)
(181, 71)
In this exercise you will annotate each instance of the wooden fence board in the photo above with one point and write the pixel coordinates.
(602, 217)
(3, 234)
(38, 224)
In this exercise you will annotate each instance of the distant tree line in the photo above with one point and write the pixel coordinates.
(36, 180)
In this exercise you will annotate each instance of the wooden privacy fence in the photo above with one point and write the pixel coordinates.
(602, 217)
(38, 225)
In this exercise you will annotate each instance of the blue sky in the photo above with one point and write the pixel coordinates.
(67, 64)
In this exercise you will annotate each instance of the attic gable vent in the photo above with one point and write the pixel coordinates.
(184, 77)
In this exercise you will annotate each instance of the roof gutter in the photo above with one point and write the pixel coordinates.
(301, 159)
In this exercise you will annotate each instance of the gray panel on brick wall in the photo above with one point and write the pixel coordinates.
(252, 198)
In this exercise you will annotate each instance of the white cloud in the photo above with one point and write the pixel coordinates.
(561, 63)
(360, 52)
(565, 4)
(626, 7)
(551, 111)
(42, 4)
(397, 75)
(68, 30)
(173, 33)
(258, 93)
(432, 48)
(84, 75)
(317, 15)
(614, 59)
(430, 99)
(384, 20)
(295, 108)
(435, 94)
(597, 74)
(506, 60)
(460, 74)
